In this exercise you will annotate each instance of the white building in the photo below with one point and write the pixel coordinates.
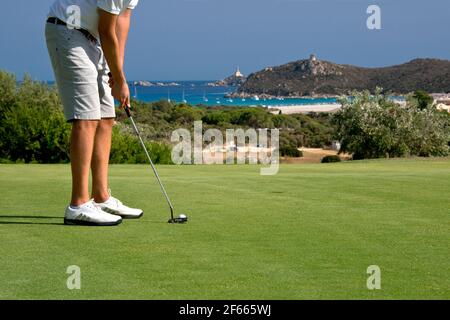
(238, 74)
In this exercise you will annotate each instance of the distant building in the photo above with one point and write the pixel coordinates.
(442, 102)
(443, 107)
(238, 74)
(312, 58)
(336, 145)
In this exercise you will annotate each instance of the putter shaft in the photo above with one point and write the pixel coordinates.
(127, 110)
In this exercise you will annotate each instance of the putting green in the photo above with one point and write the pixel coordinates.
(309, 232)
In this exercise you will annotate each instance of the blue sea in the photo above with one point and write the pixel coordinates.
(198, 92)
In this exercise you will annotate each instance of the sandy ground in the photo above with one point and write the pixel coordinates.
(310, 155)
(305, 108)
(314, 155)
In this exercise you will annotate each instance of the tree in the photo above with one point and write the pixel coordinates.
(373, 126)
(424, 100)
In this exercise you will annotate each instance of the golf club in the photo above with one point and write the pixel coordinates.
(182, 218)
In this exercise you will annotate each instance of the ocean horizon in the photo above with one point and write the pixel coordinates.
(202, 93)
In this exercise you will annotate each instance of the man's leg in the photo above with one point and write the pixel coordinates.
(81, 148)
(100, 160)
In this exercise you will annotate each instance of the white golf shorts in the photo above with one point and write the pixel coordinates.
(81, 74)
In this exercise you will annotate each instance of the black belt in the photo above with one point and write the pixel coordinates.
(86, 33)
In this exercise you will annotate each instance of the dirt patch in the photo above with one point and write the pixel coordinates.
(314, 155)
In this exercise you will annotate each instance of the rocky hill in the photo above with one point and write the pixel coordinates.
(315, 77)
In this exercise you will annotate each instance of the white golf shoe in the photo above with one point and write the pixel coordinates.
(116, 207)
(89, 214)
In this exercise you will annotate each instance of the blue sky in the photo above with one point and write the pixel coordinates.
(207, 39)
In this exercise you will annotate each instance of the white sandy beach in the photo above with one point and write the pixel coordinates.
(305, 108)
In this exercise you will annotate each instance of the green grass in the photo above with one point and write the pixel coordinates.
(309, 232)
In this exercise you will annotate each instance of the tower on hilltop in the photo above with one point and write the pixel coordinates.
(238, 73)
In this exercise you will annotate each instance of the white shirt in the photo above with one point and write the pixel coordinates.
(85, 12)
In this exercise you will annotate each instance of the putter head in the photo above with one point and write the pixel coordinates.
(182, 218)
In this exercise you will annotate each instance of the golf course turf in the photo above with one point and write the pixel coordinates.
(309, 232)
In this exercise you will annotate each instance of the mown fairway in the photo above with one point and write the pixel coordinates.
(309, 232)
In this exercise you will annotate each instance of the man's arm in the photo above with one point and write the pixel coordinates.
(114, 55)
(122, 29)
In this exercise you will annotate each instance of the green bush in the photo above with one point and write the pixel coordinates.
(32, 124)
(331, 159)
(216, 117)
(126, 148)
(424, 100)
(251, 117)
(282, 121)
(185, 114)
(290, 151)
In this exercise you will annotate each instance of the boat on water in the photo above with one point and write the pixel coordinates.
(184, 98)
(256, 98)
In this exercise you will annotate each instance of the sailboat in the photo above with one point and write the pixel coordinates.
(204, 97)
(135, 91)
(280, 98)
(184, 99)
(168, 95)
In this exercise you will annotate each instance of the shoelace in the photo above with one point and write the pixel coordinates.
(117, 201)
(91, 205)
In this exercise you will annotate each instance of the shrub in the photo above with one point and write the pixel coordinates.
(126, 148)
(331, 159)
(251, 117)
(290, 151)
(216, 117)
(424, 100)
(282, 121)
(372, 126)
(185, 114)
(32, 125)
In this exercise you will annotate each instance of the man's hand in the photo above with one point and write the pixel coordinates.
(121, 92)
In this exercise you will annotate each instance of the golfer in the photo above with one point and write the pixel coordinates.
(86, 42)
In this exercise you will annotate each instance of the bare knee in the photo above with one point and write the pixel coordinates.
(106, 124)
(85, 125)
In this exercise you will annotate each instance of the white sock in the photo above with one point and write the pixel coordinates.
(77, 207)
